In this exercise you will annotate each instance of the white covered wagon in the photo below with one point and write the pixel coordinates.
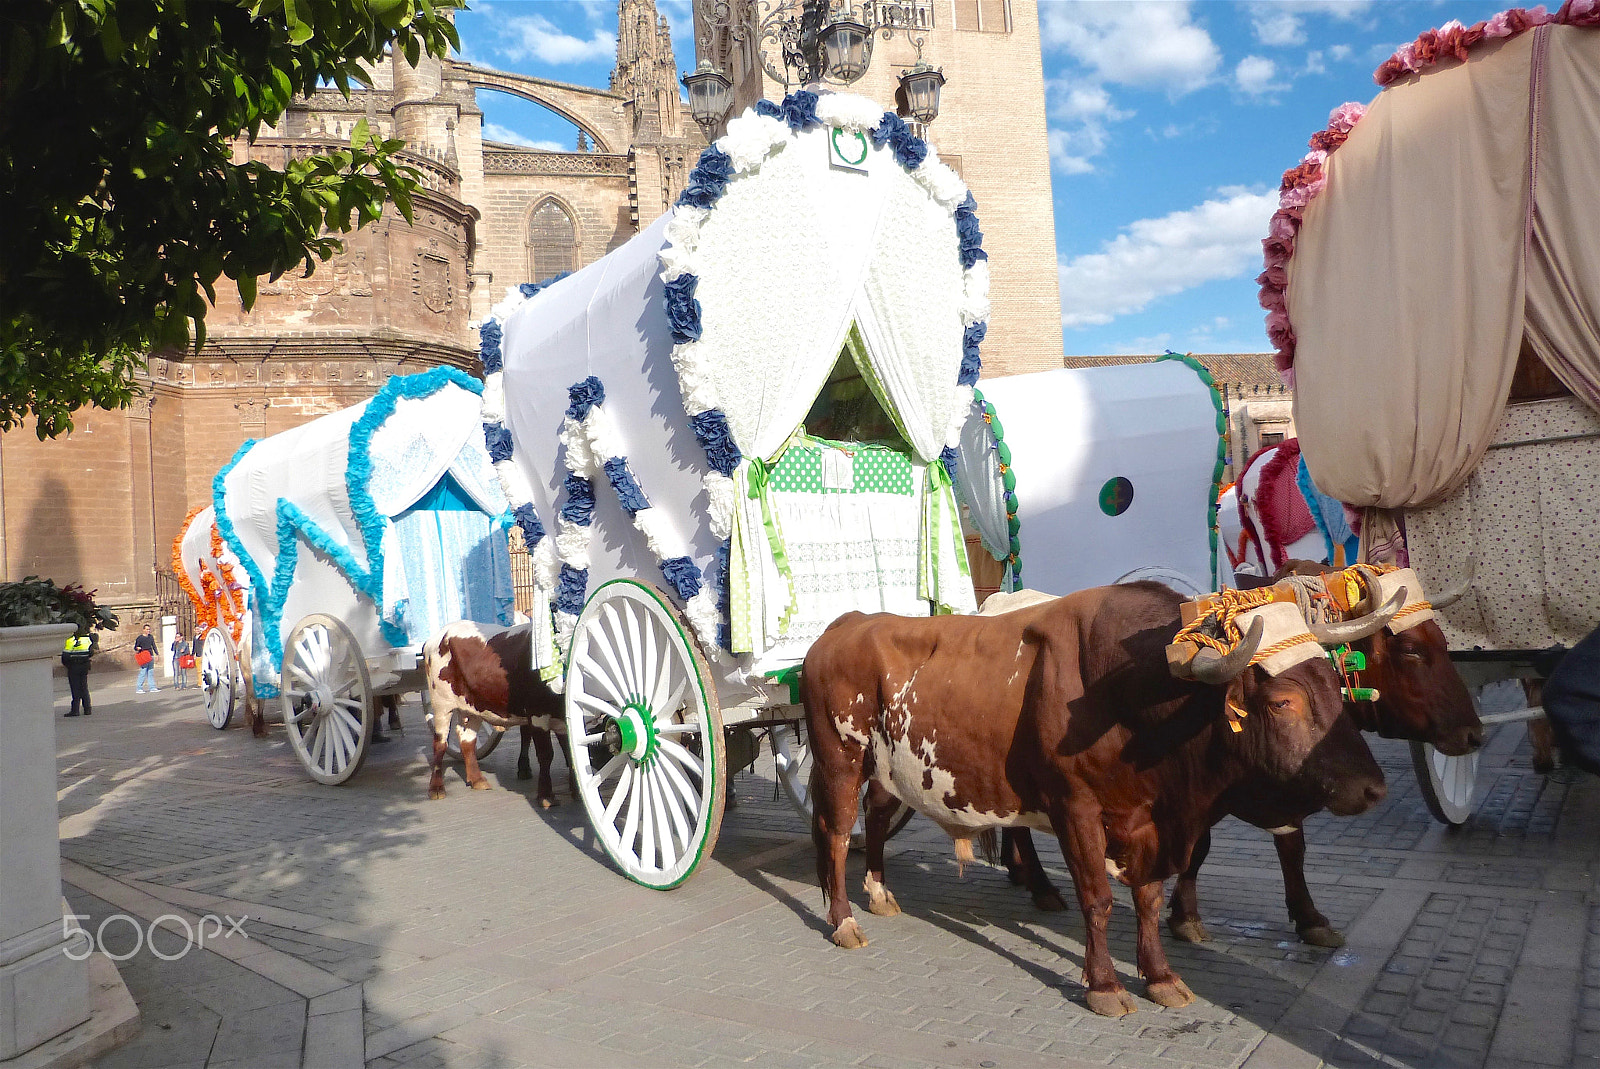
(726, 433)
(350, 541)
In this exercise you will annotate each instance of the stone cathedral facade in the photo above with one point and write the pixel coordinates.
(102, 505)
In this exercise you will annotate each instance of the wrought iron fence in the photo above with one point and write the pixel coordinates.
(173, 601)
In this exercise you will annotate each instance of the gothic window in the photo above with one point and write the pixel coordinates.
(552, 241)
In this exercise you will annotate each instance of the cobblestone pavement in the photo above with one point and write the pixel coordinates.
(482, 931)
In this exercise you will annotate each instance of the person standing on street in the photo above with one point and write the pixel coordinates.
(75, 657)
(144, 653)
(180, 662)
(197, 650)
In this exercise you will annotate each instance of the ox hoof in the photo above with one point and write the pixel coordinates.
(524, 773)
(1173, 994)
(435, 793)
(1320, 935)
(1189, 930)
(849, 935)
(1114, 1003)
(482, 785)
(1049, 902)
(884, 905)
(548, 803)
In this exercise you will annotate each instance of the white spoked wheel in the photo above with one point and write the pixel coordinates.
(219, 676)
(1447, 782)
(791, 757)
(326, 698)
(488, 738)
(646, 729)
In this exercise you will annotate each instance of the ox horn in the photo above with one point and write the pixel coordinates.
(1455, 593)
(1209, 666)
(1362, 626)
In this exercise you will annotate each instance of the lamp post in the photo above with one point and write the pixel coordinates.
(710, 96)
(806, 42)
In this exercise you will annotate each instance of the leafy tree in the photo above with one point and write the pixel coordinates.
(119, 203)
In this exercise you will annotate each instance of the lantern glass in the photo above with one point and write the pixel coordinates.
(845, 49)
(710, 94)
(922, 84)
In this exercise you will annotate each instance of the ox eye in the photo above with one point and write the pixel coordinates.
(1280, 704)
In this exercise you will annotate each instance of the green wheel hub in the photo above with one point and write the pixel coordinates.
(636, 732)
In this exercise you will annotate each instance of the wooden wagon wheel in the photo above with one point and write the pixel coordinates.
(1447, 782)
(489, 737)
(791, 756)
(326, 698)
(646, 728)
(220, 677)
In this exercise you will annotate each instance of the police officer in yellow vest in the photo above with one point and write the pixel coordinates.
(75, 658)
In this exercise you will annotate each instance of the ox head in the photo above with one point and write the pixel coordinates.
(1420, 695)
(1285, 714)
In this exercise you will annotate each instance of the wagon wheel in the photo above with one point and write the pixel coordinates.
(326, 698)
(647, 746)
(791, 755)
(1447, 782)
(220, 678)
(488, 738)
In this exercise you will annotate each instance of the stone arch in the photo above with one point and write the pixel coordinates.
(553, 238)
(590, 110)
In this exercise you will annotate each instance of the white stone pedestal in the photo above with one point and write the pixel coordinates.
(42, 991)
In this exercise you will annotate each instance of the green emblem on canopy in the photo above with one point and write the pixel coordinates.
(1115, 496)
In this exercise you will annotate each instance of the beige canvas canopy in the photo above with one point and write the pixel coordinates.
(1458, 224)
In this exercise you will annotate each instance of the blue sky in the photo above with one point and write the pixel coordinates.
(1170, 125)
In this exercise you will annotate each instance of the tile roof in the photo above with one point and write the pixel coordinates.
(1242, 369)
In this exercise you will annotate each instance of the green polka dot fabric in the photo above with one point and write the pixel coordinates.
(874, 470)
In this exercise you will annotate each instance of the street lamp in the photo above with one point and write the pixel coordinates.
(921, 86)
(802, 42)
(846, 47)
(710, 96)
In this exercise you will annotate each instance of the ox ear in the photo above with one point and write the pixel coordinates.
(1236, 700)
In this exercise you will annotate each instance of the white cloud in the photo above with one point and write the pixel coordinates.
(1254, 76)
(1276, 25)
(496, 132)
(1339, 53)
(1147, 44)
(1281, 23)
(1153, 258)
(1314, 64)
(536, 37)
(1079, 113)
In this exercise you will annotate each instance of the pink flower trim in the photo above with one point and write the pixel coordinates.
(1455, 41)
(1300, 185)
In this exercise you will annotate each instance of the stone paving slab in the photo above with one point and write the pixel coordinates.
(483, 931)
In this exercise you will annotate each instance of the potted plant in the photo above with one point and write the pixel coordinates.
(46, 991)
(35, 601)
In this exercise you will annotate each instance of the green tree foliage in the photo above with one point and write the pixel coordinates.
(119, 203)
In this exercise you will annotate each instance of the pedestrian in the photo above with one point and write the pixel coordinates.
(182, 661)
(75, 656)
(1572, 704)
(197, 650)
(144, 654)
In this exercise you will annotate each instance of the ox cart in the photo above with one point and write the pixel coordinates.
(716, 439)
(331, 552)
(1432, 291)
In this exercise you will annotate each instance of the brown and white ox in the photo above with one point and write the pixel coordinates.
(1064, 716)
(482, 675)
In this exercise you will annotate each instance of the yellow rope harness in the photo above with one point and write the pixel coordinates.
(1218, 629)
